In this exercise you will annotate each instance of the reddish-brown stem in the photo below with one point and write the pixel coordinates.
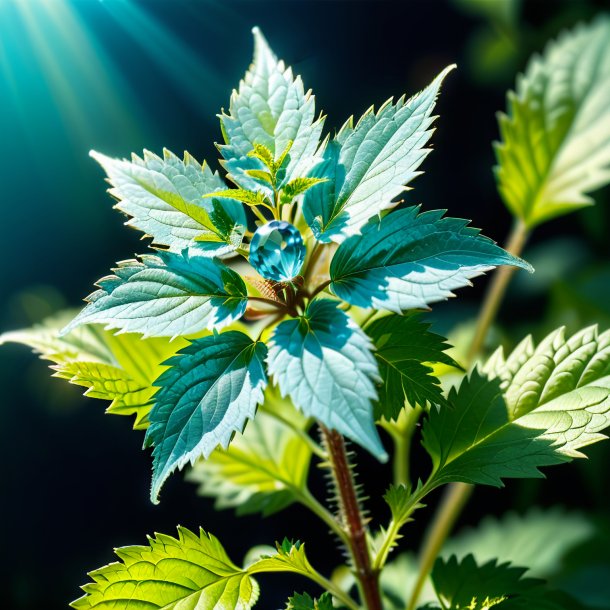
(352, 520)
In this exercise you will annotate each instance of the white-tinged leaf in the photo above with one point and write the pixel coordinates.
(555, 146)
(407, 260)
(190, 571)
(209, 392)
(369, 165)
(163, 198)
(325, 363)
(270, 108)
(167, 295)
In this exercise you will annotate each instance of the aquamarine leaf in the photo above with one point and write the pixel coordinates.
(367, 166)
(167, 295)
(190, 571)
(211, 389)
(163, 197)
(325, 363)
(537, 408)
(407, 260)
(271, 108)
(403, 344)
(555, 146)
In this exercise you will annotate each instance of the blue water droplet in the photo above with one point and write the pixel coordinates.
(277, 251)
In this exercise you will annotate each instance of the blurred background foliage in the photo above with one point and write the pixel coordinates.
(123, 75)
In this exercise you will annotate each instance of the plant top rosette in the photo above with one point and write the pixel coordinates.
(309, 241)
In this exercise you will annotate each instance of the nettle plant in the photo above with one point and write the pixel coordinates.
(278, 318)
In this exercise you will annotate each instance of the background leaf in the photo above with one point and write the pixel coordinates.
(259, 471)
(119, 368)
(407, 260)
(324, 362)
(163, 197)
(370, 164)
(271, 108)
(539, 539)
(304, 601)
(210, 390)
(555, 144)
(166, 296)
(403, 344)
(189, 571)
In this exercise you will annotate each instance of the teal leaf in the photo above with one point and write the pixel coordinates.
(166, 295)
(163, 197)
(270, 109)
(367, 166)
(325, 363)
(190, 571)
(211, 389)
(538, 407)
(403, 344)
(555, 146)
(407, 260)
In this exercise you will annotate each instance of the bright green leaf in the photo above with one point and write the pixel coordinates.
(403, 344)
(260, 470)
(270, 109)
(191, 571)
(555, 144)
(247, 197)
(325, 363)
(304, 601)
(290, 557)
(120, 368)
(297, 187)
(209, 392)
(371, 164)
(166, 295)
(407, 260)
(163, 197)
(538, 407)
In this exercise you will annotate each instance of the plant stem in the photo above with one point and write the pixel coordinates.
(353, 522)
(497, 289)
(457, 494)
(306, 498)
(402, 433)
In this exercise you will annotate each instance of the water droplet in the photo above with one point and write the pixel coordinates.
(277, 251)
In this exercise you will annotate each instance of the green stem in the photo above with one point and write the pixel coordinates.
(402, 433)
(497, 289)
(329, 586)
(453, 501)
(457, 494)
(306, 498)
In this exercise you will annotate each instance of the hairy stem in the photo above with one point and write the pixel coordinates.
(457, 494)
(353, 521)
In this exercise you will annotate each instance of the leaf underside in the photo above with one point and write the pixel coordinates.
(324, 362)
